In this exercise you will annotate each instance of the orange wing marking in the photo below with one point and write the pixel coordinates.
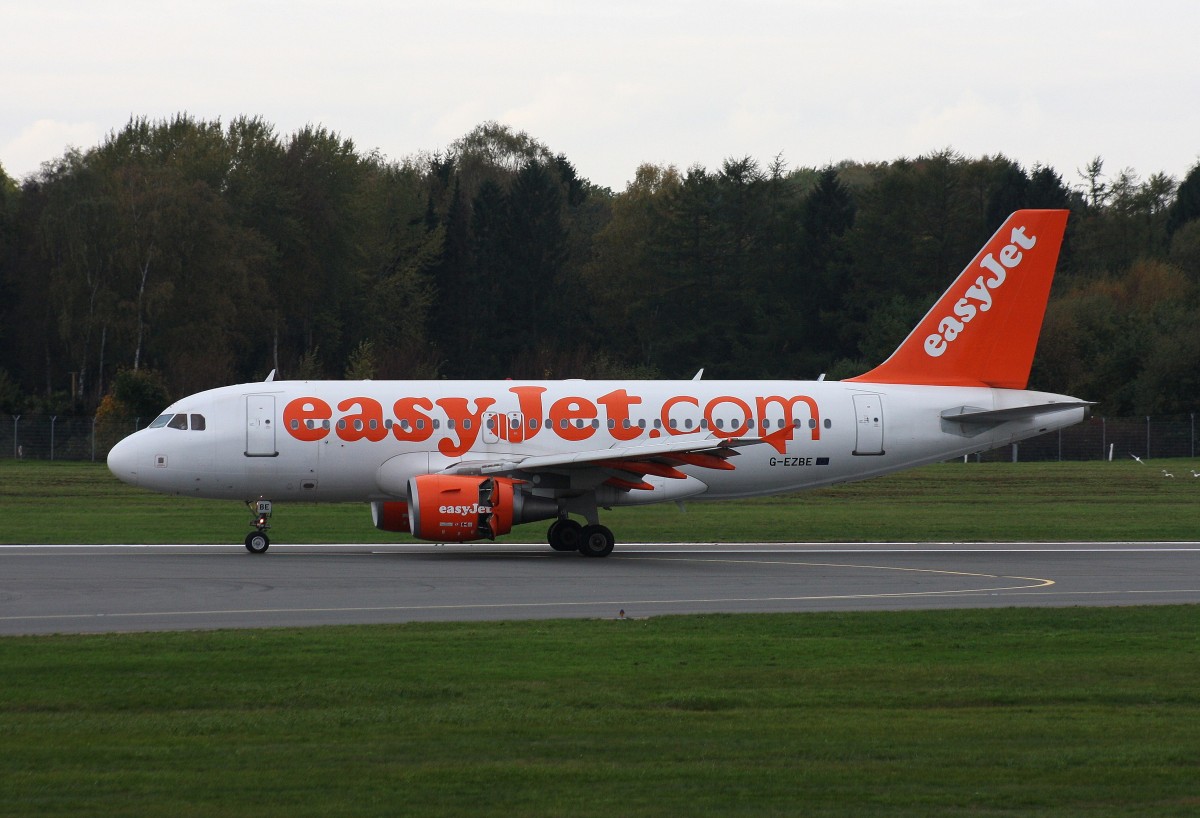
(628, 485)
(706, 461)
(642, 467)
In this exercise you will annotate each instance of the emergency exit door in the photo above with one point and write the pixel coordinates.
(868, 425)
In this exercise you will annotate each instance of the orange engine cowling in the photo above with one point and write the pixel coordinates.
(457, 508)
(390, 515)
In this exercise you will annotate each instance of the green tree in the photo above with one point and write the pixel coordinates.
(1186, 205)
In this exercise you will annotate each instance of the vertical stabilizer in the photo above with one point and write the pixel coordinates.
(983, 330)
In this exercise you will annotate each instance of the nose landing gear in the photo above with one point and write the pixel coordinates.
(257, 541)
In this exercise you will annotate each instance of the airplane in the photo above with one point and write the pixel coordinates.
(460, 461)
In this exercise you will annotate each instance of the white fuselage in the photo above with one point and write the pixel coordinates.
(337, 441)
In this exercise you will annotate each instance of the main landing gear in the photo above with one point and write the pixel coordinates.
(565, 534)
(257, 541)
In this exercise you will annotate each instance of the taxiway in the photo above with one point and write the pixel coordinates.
(77, 589)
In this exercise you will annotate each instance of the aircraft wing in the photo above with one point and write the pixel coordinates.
(658, 459)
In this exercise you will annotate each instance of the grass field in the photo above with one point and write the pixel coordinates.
(68, 502)
(1064, 712)
(1089, 712)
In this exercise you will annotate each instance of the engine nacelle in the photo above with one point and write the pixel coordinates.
(390, 515)
(457, 508)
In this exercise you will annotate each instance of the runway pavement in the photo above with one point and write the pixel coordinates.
(77, 589)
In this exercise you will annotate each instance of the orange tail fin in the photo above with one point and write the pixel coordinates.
(983, 330)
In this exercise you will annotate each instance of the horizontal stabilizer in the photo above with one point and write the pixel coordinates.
(973, 414)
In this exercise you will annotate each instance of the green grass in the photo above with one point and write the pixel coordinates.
(1003, 712)
(66, 502)
(1089, 712)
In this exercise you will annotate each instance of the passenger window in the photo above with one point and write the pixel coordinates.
(197, 423)
(178, 422)
(159, 421)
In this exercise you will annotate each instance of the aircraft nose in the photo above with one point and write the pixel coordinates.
(122, 461)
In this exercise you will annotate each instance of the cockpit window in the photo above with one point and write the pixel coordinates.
(159, 421)
(197, 423)
(178, 422)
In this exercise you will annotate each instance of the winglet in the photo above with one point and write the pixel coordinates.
(983, 330)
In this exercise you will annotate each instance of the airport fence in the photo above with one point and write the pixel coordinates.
(57, 437)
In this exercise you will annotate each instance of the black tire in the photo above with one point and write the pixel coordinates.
(565, 535)
(257, 542)
(597, 541)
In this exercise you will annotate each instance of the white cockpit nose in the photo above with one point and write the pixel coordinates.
(122, 461)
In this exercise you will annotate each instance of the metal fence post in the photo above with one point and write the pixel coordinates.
(53, 418)
(93, 440)
(1103, 438)
(1147, 437)
(16, 448)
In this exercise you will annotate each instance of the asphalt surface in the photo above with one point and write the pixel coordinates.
(89, 589)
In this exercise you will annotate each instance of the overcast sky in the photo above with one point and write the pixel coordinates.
(616, 83)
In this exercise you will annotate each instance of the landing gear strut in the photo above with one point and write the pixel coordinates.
(257, 541)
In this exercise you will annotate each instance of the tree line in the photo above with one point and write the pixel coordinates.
(184, 254)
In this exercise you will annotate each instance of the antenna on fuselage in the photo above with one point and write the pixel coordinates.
(698, 375)
(270, 377)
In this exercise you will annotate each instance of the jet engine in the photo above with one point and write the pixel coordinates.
(390, 515)
(457, 508)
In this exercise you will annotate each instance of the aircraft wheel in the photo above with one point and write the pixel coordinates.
(597, 541)
(257, 542)
(565, 535)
